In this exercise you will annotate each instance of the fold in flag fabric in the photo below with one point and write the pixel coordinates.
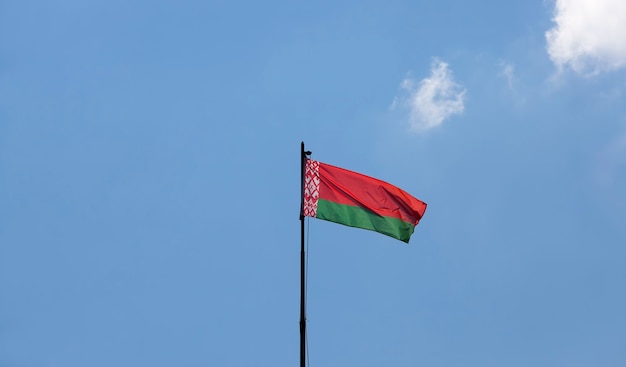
(356, 200)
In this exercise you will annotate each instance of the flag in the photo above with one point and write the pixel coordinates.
(356, 200)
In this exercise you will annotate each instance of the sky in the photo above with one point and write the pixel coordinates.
(150, 182)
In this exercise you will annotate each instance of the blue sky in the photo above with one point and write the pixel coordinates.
(149, 182)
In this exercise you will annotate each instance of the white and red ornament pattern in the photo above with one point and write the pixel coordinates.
(311, 187)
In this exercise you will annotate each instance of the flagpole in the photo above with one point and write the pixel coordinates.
(303, 155)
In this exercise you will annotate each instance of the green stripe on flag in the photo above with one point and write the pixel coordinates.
(355, 216)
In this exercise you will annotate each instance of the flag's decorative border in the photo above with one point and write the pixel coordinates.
(311, 187)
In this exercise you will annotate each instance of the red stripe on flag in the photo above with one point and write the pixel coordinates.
(342, 186)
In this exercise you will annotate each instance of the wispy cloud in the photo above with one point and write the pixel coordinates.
(611, 160)
(507, 70)
(589, 36)
(433, 100)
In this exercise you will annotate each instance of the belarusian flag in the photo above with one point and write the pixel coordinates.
(350, 198)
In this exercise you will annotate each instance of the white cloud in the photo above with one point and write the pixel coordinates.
(432, 100)
(589, 36)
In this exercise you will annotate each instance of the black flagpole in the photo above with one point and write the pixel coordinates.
(303, 155)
